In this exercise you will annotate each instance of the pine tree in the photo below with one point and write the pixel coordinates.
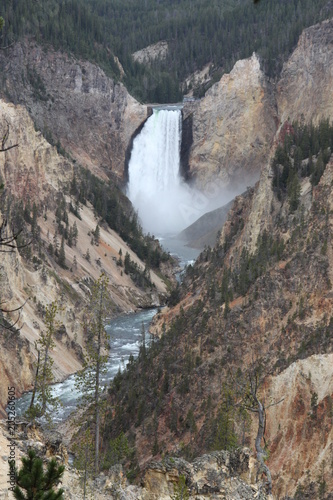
(56, 245)
(35, 484)
(225, 436)
(84, 455)
(62, 255)
(75, 233)
(44, 375)
(88, 379)
(127, 263)
(87, 255)
(181, 491)
(97, 234)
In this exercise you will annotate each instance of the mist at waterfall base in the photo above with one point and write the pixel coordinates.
(165, 203)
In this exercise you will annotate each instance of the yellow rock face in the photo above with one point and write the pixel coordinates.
(233, 127)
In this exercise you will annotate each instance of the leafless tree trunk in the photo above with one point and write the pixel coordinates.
(4, 139)
(252, 403)
(35, 384)
(261, 455)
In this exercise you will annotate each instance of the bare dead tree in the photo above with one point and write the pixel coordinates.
(7, 46)
(4, 310)
(4, 140)
(254, 404)
(8, 242)
(248, 399)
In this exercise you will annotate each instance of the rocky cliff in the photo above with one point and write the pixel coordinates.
(216, 475)
(269, 309)
(304, 91)
(233, 127)
(73, 103)
(234, 124)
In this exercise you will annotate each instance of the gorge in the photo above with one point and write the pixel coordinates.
(262, 294)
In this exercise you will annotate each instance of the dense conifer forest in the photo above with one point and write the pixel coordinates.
(197, 31)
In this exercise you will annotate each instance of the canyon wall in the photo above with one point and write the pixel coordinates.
(233, 127)
(283, 322)
(73, 103)
(304, 91)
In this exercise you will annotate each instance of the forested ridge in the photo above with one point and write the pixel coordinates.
(198, 32)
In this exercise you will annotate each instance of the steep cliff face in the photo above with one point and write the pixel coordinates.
(299, 429)
(151, 53)
(304, 91)
(72, 102)
(233, 127)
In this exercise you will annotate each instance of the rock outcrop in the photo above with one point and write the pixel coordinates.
(304, 91)
(73, 103)
(300, 429)
(149, 54)
(217, 475)
(233, 128)
(234, 125)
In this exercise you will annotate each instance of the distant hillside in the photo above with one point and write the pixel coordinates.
(203, 232)
(197, 32)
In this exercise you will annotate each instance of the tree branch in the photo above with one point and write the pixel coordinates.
(274, 404)
(3, 150)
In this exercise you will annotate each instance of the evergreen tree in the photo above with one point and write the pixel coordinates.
(127, 263)
(225, 435)
(46, 402)
(84, 455)
(97, 234)
(87, 255)
(88, 379)
(75, 233)
(181, 491)
(294, 191)
(62, 256)
(35, 484)
(56, 245)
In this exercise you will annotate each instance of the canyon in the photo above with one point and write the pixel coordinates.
(232, 135)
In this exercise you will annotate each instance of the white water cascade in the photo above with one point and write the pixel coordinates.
(155, 187)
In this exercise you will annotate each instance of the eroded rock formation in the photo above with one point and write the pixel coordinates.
(233, 127)
(73, 103)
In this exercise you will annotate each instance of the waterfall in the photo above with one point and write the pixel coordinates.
(155, 187)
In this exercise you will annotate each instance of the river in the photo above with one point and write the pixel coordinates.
(125, 336)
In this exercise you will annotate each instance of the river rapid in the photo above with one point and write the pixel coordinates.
(125, 337)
